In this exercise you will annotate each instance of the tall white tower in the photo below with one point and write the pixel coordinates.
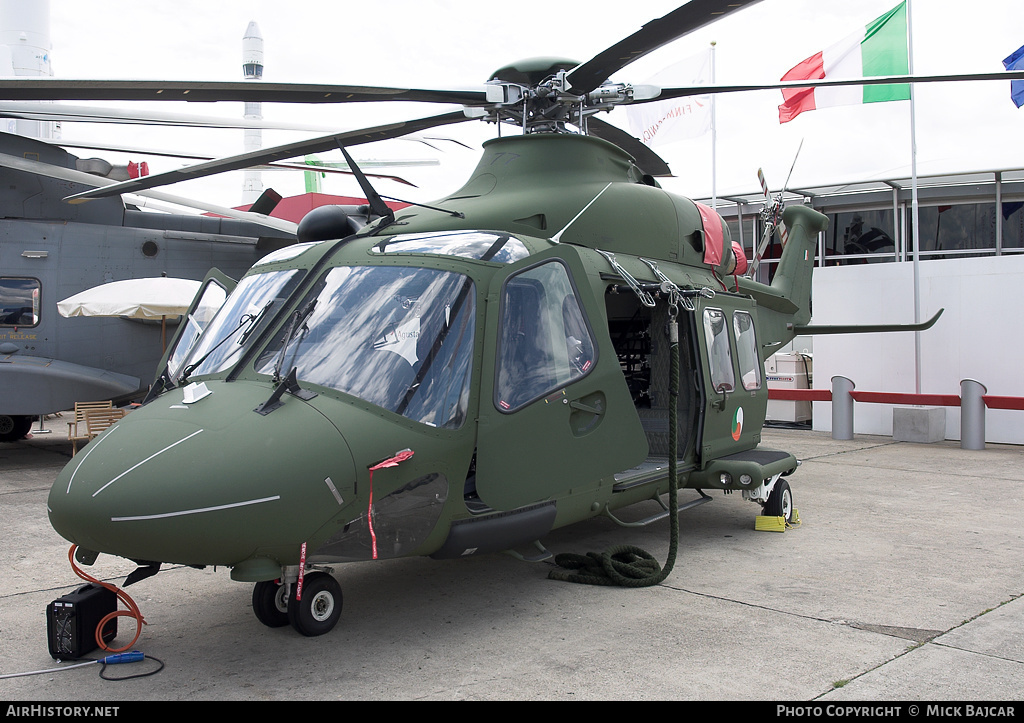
(252, 67)
(25, 51)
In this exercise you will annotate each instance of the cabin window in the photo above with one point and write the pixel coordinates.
(716, 334)
(19, 301)
(545, 342)
(746, 351)
(398, 337)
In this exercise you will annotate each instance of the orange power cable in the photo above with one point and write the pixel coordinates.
(132, 611)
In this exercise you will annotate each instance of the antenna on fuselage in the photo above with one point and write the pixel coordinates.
(377, 204)
(556, 238)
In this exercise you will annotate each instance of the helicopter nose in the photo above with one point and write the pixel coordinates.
(210, 482)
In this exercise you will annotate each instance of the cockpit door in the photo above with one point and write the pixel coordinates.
(208, 300)
(555, 412)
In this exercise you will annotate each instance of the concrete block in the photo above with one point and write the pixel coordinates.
(919, 424)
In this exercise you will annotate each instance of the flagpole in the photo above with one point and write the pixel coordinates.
(714, 138)
(914, 220)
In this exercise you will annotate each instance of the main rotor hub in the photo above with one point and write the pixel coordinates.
(531, 72)
(533, 95)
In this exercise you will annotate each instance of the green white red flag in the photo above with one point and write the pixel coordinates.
(878, 49)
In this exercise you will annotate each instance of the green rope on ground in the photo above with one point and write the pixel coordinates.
(627, 565)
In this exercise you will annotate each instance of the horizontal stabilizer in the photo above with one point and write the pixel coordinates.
(867, 328)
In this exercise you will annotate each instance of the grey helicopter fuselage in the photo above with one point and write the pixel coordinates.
(50, 250)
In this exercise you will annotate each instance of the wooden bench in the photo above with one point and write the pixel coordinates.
(91, 418)
(76, 428)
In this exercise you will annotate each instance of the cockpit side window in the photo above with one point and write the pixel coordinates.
(544, 340)
(252, 304)
(195, 322)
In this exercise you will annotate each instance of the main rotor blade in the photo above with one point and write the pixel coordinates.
(213, 91)
(683, 91)
(273, 153)
(648, 161)
(694, 14)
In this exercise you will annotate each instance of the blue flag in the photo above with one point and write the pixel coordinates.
(1016, 62)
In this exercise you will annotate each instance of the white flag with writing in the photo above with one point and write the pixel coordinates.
(667, 121)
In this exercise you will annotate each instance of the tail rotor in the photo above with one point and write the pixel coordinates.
(771, 215)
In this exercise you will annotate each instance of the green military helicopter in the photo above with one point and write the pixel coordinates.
(558, 339)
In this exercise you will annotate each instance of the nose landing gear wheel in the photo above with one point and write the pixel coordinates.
(270, 603)
(320, 607)
(780, 502)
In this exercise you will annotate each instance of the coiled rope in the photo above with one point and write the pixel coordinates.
(628, 565)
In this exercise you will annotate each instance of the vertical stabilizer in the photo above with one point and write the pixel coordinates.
(792, 279)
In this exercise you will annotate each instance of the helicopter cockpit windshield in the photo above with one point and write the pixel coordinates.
(399, 337)
(253, 302)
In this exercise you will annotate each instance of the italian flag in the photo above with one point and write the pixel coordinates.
(876, 50)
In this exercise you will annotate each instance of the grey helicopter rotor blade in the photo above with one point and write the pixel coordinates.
(685, 19)
(273, 153)
(214, 91)
(86, 114)
(327, 168)
(87, 179)
(648, 161)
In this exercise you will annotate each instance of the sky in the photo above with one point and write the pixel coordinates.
(459, 43)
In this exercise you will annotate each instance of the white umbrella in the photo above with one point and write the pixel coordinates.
(152, 298)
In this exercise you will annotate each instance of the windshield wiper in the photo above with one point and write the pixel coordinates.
(291, 383)
(297, 324)
(248, 320)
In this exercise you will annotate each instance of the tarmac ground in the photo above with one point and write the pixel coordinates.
(903, 582)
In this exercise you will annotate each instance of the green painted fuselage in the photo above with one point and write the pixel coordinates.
(502, 347)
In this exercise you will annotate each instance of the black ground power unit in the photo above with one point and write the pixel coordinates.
(71, 621)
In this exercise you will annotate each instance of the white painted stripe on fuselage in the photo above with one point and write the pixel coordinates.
(139, 464)
(200, 510)
(88, 450)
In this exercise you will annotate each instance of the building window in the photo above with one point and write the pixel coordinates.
(953, 228)
(1013, 225)
(19, 301)
(860, 237)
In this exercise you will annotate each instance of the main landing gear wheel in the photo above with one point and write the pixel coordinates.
(14, 427)
(780, 502)
(320, 607)
(270, 603)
